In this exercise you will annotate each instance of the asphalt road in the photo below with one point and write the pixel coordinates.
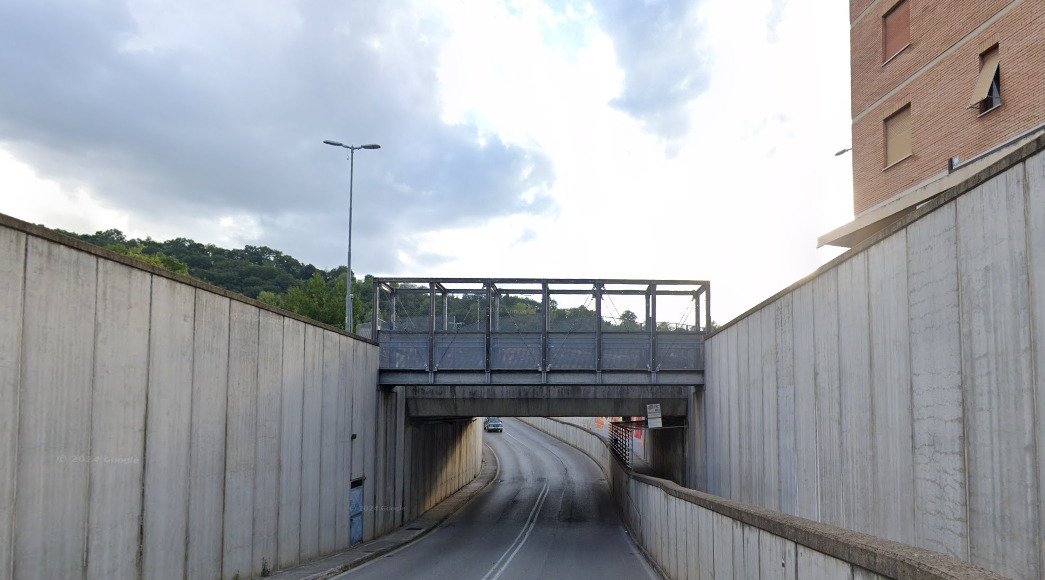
(547, 515)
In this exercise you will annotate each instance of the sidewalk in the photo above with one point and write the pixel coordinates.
(330, 566)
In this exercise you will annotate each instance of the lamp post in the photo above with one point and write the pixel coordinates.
(351, 174)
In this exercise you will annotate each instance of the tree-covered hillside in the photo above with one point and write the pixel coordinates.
(278, 279)
(249, 270)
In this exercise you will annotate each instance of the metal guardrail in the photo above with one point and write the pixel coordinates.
(517, 326)
(622, 443)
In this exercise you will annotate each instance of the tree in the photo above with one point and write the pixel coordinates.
(318, 299)
(629, 321)
(157, 259)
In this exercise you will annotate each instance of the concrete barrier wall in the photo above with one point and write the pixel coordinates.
(898, 390)
(153, 426)
(689, 534)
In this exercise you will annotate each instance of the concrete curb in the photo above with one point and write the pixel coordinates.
(341, 562)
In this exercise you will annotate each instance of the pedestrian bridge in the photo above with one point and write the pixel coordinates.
(542, 336)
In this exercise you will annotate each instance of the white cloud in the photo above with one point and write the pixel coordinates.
(519, 138)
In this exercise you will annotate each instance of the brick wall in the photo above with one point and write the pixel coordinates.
(942, 125)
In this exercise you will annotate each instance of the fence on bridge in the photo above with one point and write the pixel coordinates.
(516, 327)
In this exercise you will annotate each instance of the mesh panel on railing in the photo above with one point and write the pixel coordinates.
(679, 352)
(512, 351)
(621, 443)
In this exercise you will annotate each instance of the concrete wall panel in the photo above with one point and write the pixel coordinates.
(359, 411)
(936, 385)
(721, 434)
(713, 392)
(329, 417)
(240, 438)
(742, 427)
(997, 372)
(723, 546)
(368, 427)
(682, 527)
(54, 423)
(751, 551)
(344, 434)
(785, 375)
(770, 492)
(891, 388)
(706, 533)
(267, 447)
(293, 380)
(812, 564)
(734, 395)
(828, 397)
(778, 557)
(691, 519)
(807, 470)
(118, 420)
(756, 460)
(854, 353)
(1035, 176)
(311, 442)
(739, 563)
(167, 427)
(674, 539)
(12, 289)
(210, 376)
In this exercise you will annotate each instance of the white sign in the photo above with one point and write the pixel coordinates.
(653, 420)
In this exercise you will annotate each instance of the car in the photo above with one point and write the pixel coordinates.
(493, 424)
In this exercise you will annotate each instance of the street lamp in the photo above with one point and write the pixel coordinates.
(351, 172)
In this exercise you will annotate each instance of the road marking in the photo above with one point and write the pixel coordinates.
(524, 534)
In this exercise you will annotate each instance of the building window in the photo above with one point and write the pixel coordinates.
(898, 136)
(896, 30)
(987, 94)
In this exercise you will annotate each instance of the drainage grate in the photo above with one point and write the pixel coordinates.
(414, 529)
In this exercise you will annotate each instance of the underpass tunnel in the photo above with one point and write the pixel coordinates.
(659, 452)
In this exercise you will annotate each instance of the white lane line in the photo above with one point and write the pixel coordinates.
(531, 522)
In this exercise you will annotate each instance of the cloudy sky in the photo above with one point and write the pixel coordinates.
(682, 139)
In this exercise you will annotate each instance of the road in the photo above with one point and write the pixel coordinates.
(548, 514)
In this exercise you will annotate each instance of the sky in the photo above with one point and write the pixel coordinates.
(652, 139)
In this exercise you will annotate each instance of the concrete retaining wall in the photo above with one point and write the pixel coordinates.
(442, 457)
(898, 390)
(154, 426)
(688, 534)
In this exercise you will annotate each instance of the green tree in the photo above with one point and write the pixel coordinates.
(319, 299)
(157, 259)
(629, 321)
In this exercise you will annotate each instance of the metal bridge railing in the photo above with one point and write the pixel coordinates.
(479, 324)
(622, 443)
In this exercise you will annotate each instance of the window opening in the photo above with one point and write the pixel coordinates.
(898, 136)
(986, 95)
(896, 30)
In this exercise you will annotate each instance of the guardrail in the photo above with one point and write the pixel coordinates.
(489, 325)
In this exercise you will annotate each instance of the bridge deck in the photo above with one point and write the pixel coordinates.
(546, 343)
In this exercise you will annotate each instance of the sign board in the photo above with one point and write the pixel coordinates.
(653, 420)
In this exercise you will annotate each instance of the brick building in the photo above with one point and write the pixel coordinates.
(940, 88)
